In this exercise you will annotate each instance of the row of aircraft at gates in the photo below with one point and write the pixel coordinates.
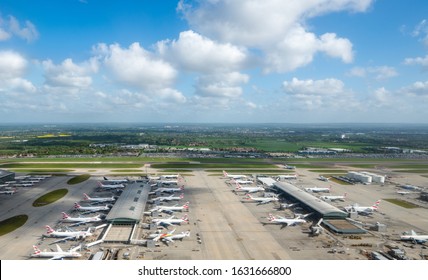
(115, 184)
(238, 180)
(167, 237)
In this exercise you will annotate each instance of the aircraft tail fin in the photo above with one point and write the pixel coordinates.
(271, 217)
(225, 173)
(86, 197)
(49, 229)
(36, 250)
(64, 215)
(185, 218)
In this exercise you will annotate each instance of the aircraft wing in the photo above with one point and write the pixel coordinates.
(264, 202)
(56, 258)
(78, 223)
(169, 212)
(62, 239)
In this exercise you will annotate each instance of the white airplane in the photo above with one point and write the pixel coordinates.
(90, 209)
(243, 182)
(317, 189)
(166, 198)
(153, 178)
(167, 190)
(170, 176)
(170, 221)
(291, 167)
(322, 178)
(414, 237)
(171, 237)
(98, 199)
(116, 181)
(261, 200)
(8, 191)
(158, 235)
(22, 185)
(333, 197)
(364, 210)
(59, 254)
(110, 186)
(287, 177)
(287, 205)
(240, 188)
(287, 221)
(79, 220)
(171, 209)
(406, 192)
(66, 234)
(233, 176)
(411, 187)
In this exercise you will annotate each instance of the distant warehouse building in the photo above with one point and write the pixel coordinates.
(366, 177)
(6, 176)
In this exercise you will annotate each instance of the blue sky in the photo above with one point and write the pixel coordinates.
(214, 61)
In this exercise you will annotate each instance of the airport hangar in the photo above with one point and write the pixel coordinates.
(126, 214)
(333, 218)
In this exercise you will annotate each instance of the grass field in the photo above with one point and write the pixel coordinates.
(209, 165)
(78, 179)
(12, 223)
(50, 197)
(70, 165)
(402, 203)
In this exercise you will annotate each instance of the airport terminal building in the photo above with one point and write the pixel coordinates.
(333, 218)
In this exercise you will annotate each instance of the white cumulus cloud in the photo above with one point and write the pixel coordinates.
(12, 70)
(277, 28)
(194, 52)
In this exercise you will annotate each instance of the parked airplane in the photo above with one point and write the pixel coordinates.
(317, 189)
(90, 209)
(406, 192)
(167, 190)
(261, 200)
(168, 182)
(97, 199)
(243, 182)
(233, 176)
(66, 234)
(110, 186)
(170, 209)
(291, 167)
(334, 197)
(364, 210)
(80, 220)
(59, 254)
(166, 198)
(240, 188)
(170, 176)
(414, 237)
(116, 181)
(158, 235)
(411, 187)
(286, 221)
(8, 191)
(287, 205)
(170, 221)
(172, 237)
(322, 178)
(287, 177)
